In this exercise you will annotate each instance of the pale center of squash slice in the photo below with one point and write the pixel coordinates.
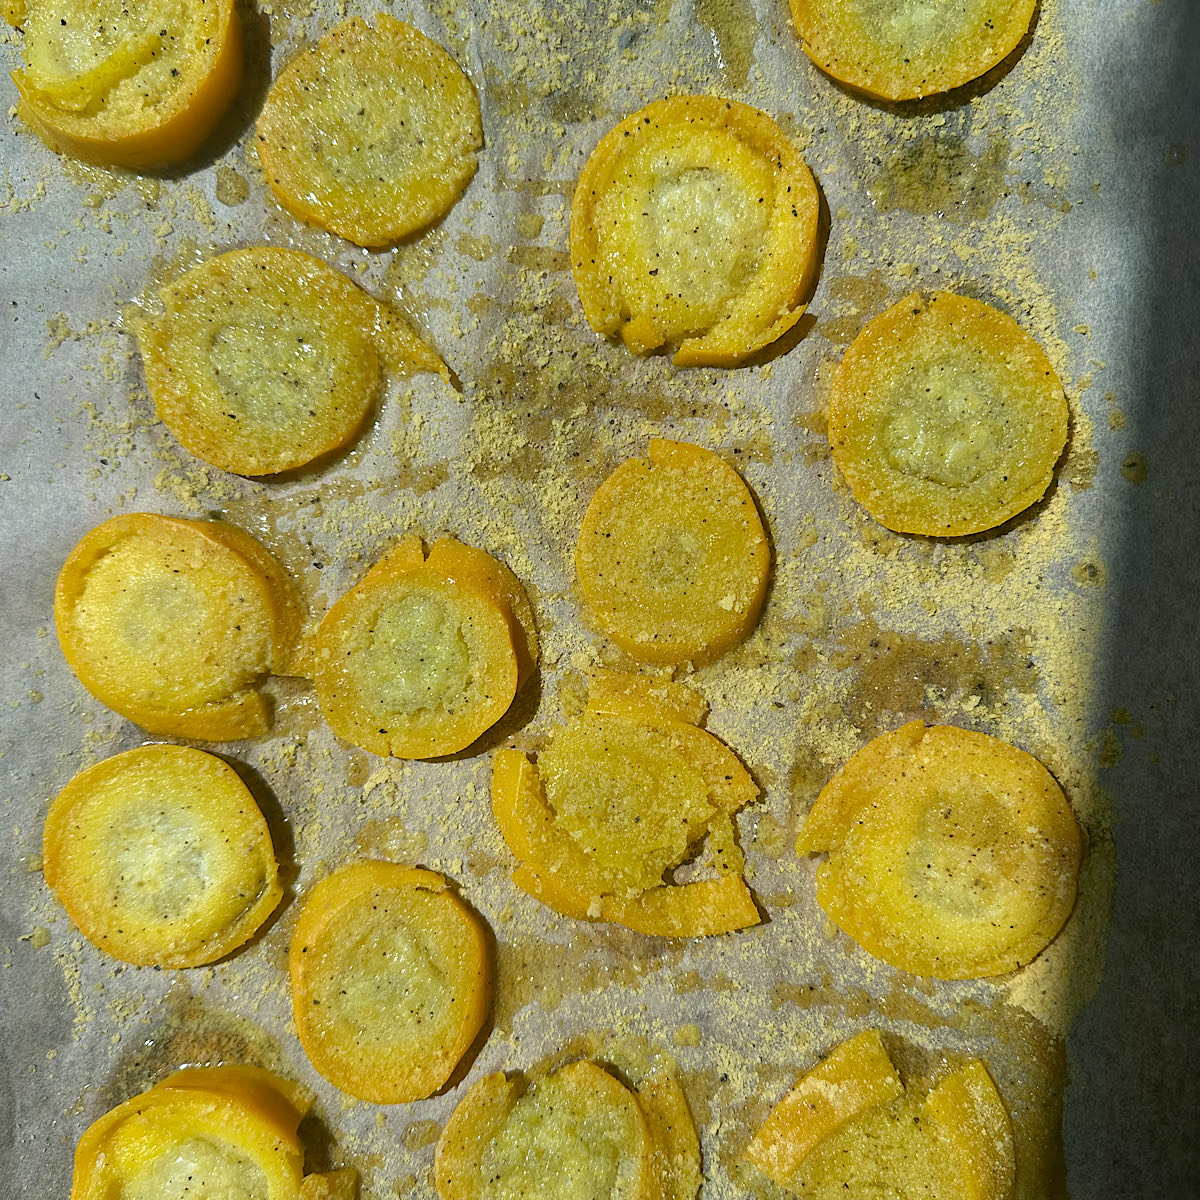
(418, 659)
(626, 796)
(198, 1168)
(562, 1142)
(159, 868)
(947, 423)
(918, 27)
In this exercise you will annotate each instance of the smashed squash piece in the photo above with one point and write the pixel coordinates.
(371, 133)
(694, 223)
(267, 359)
(672, 557)
(576, 1131)
(945, 417)
(951, 854)
(850, 1130)
(227, 1132)
(617, 801)
(425, 654)
(174, 623)
(906, 49)
(161, 857)
(390, 980)
(127, 82)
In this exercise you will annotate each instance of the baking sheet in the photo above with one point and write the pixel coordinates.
(1064, 193)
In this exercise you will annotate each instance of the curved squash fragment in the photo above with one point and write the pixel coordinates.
(951, 854)
(672, 557)
(945, 417)
(173, 623)
(161, 857)
(124, 82)
(576, 1132)
(390, 980)
(371, 133)
(974, 1126)
(266, 359)
(616, 801)
(695, 222)
(425, 654)
(912, 48)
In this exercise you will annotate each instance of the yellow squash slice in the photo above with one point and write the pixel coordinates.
(161, 857)
(174, 623)
(577, 1132)
(951, 854)
(133, 83)
(905, 49)
(267, 359)
(695, 223)
(672, 557)
(390, 980)
(616, 802)
(371, 133)
(849, 1130)
(945, 417)
(425, 654)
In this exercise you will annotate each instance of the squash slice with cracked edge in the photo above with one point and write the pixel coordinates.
(672, 557)
(161, 857)
(616, 801)
(945, 417)
(267, 359)
(371, 133)
(907, 49)
(576, 1132)
(425, 654)
(390, 980)
(951, 854)
(695, 222)
(127, 82)
(173, 623)
(848, 1128)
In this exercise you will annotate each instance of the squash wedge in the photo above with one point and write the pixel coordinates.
(173, 623)
(951, 854)
(390, 980)
(161, 857)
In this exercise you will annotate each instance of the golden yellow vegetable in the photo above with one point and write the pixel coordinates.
(425, 654)
(371, 133)
(694, 223)
(576, 1132)
(266, 359)
(161, 857)
(174, 623)
(672, 557)
(906, 49)
(390, 980)
(849, 1130)
(945, 417)
(127, 82)
(951, 854)
(616, 802)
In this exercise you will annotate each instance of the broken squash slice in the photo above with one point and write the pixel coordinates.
(128, 82)
(425, 654)
(951, 854)
(945, 417)
(371, 133)
(174, 623)
(672, 557)
(850, 1130)
(266, 359)
(694, 223)
(161, 857)
(390, 980)
(577, 1131)
(907, 49)
(618, 800)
